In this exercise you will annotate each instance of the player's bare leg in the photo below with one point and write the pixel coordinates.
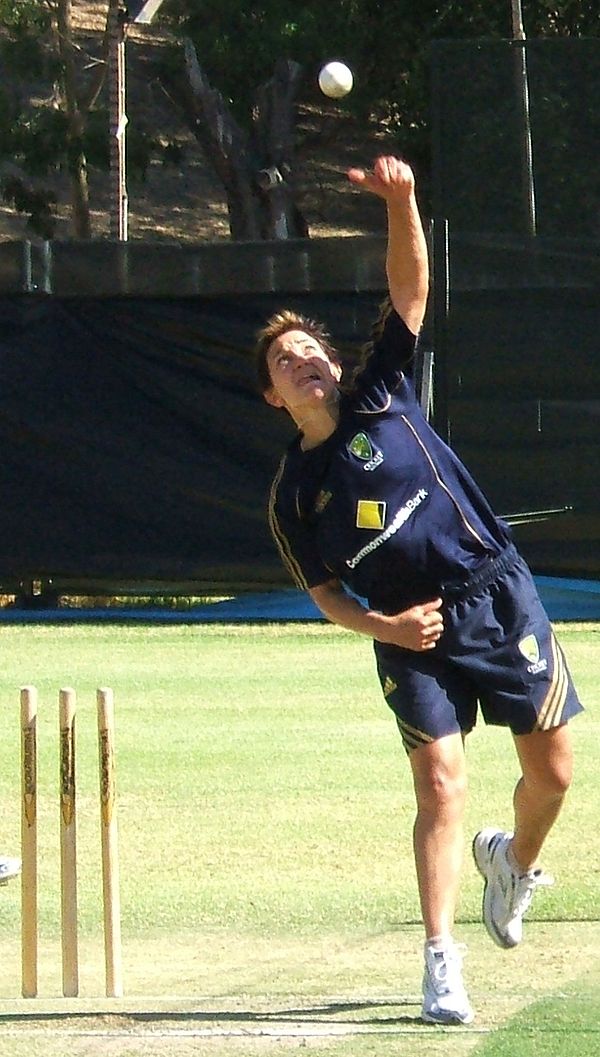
(439, 775)
(507, 862)
(546, 758)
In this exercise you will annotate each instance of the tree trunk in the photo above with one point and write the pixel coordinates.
(274, 137)
(227, 147)
(80, 199)
(76, 160)
(255, 167)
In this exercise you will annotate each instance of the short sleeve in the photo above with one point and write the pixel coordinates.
(387, 358)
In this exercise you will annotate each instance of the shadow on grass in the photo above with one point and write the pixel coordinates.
(325, 1013)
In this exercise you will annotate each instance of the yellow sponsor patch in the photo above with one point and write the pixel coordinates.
(370, 514)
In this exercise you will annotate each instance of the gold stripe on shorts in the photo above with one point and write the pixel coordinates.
(412, 737)
(550, 714)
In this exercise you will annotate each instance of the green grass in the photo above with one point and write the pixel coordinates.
(265, 810)
(557, 1026)
(238, 765)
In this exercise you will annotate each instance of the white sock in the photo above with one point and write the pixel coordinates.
(438, 943)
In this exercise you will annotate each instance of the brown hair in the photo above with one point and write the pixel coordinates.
(279, 324)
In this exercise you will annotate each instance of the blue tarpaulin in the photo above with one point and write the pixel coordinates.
(564, 599)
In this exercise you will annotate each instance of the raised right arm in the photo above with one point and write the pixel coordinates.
(407, 261)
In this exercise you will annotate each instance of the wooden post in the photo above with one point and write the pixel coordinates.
(110, 851)
(68, 845)
(118, 124)
(29, 902)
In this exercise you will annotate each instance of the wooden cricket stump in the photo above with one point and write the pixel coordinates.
(110, 845)
(29, 885)
(68, 843)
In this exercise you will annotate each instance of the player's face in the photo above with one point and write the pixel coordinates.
(302, 373)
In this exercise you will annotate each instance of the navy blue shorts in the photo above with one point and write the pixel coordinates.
(498, 650)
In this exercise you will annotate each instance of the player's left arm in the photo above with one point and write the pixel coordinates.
(407, 262)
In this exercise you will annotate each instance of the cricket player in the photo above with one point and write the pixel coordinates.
(379, 520)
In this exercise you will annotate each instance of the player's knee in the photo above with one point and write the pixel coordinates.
(443, 792)
(557, 779)
(548, 763)
(551, 782)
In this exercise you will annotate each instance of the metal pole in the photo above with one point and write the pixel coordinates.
(518, 30)
(441, 311)
(522, 84)
(118, 124)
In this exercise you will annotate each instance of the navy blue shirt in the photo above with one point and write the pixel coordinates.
(384, 505)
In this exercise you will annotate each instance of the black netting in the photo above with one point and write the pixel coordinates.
(516, 130)
(517, 283)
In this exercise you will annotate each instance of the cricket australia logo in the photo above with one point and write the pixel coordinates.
(530, 649)
(361, 447)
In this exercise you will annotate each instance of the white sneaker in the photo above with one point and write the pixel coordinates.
(445, 1000)
(506, 893)
(9, 868)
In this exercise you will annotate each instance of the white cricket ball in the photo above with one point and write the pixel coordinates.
(335, 79)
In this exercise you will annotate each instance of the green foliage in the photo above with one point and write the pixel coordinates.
(32, 133)
(386, 44)
(40, 139)
(9, 115)
(34, 128)
(25, 26)
(21, 15)
(35, 203)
